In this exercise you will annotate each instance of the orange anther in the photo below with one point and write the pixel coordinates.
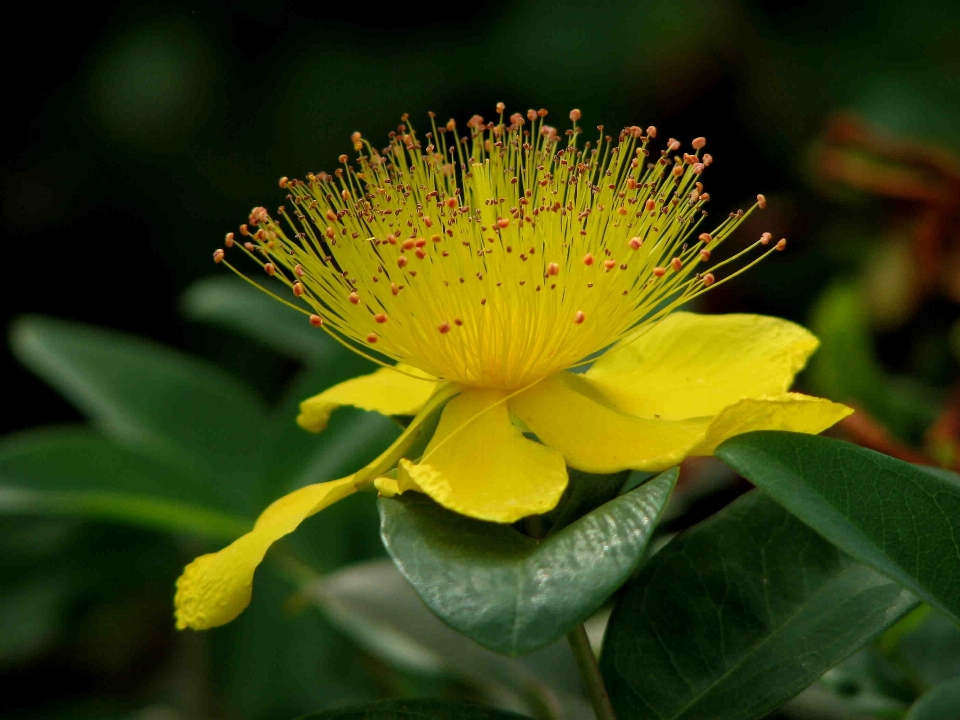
(316, 320)
(330, 233)
(283, 182)
(354, 298)
(244, 230)
(761, 201)
(705, 255)
(588, 259)
(401, 261)
(699, 142)
(631, 184)
(331, 216)
(676, 264)
(298, 289)
(503, 222)
(269, 268)
(575, 114)
(444, 328)
(705, 238)
(392, 239)
(659, 272)
(419, 242)
(781, 246)
(380, 318)
(451, 202)
(609, 264)
(458, 321)
(420, 253)
(579, 317)
(298, 270)
(372, 338)
(228, 240)
(394, 289)
(407, 244)
(249, 246)
(635, 243)
(651, 204)
(436, 238)
(218, 255)
(708, 279)
(427, 221)
(553, 269)
(766, 238)
(622, 211)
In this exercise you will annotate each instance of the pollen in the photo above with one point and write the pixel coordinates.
(510, 203)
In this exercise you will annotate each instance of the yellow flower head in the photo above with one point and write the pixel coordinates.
(479, 270)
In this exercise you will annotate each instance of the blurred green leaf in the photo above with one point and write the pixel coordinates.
(896, 517)
(738, 614)
(232, 303)
(415, 710)
(507, 591)
(941, 703)
(376, 606)
(151, 397)
(932, 650)
(79, 472)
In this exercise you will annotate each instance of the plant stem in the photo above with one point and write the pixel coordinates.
(590, 671)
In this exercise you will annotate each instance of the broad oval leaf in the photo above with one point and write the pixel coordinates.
(507, 591)
(415, 710)
(78, 472)
(941, 703)
(150, 396)
(738, 614)
(900, 519)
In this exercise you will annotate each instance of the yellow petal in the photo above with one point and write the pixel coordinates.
(215, 588)
(789, 411)
(689, 365)
(385, 391)
(479, 464)
(567, 414)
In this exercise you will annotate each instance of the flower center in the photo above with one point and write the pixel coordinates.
(497, 258)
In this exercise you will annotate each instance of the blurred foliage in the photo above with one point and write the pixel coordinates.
(155, 127)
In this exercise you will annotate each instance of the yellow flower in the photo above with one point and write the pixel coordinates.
(479, 272)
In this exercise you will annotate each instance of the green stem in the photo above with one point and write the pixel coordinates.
(590, 671)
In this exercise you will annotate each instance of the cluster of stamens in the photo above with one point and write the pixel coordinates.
(495, 258)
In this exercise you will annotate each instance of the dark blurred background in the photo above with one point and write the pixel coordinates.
(139, 133)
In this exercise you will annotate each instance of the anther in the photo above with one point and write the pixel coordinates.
(283, 182)
(401, 261)
(588, 259)
(651, 204)
(761, 201)
(579, 317)
(705, 255)
(652, 131)
(451, 203)
(330, 233)
(298, 289)
(444, 328)
(420, 253)
(407, 244)
(218, 255)
(707, 159)
(699, 142)
(708, 279)
(394, 289)
(503, 222)
(436, 238)
(228, 240)
(659, 272)
(609, 264)
(635, 243)
(372, 338)
(392, 239)
(331, 216)
(766, 238)
(269, 268)
(458, 321)
(781, 246)
(705, 238)
(575, 115)
(354, 298)
(316, 320)
(553, 269)
(380, 318)
(298, 270)
(676, 264)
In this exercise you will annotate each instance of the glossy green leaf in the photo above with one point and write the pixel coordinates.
(941, 703)
(507, 591)
(150, 396)
(900, 519)
(80, 473)
(738, 614)
(415, 710)
(230, 302)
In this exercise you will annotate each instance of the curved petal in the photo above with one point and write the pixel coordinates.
(478, 464)
(688, 365)
(791, 411)
(385, 391)
(215, 588)
(566, 413)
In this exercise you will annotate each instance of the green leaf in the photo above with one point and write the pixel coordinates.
(941, 703)
(78, 472)
(504, 589)
(149, 396)
(900, 519)
(235, 304)
(415, 710)
(738, 614)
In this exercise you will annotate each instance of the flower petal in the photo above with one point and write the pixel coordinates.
(790, 411)
(566, 413)
(479, 464)
(689, 365)
(385, 391)
(215, 588)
